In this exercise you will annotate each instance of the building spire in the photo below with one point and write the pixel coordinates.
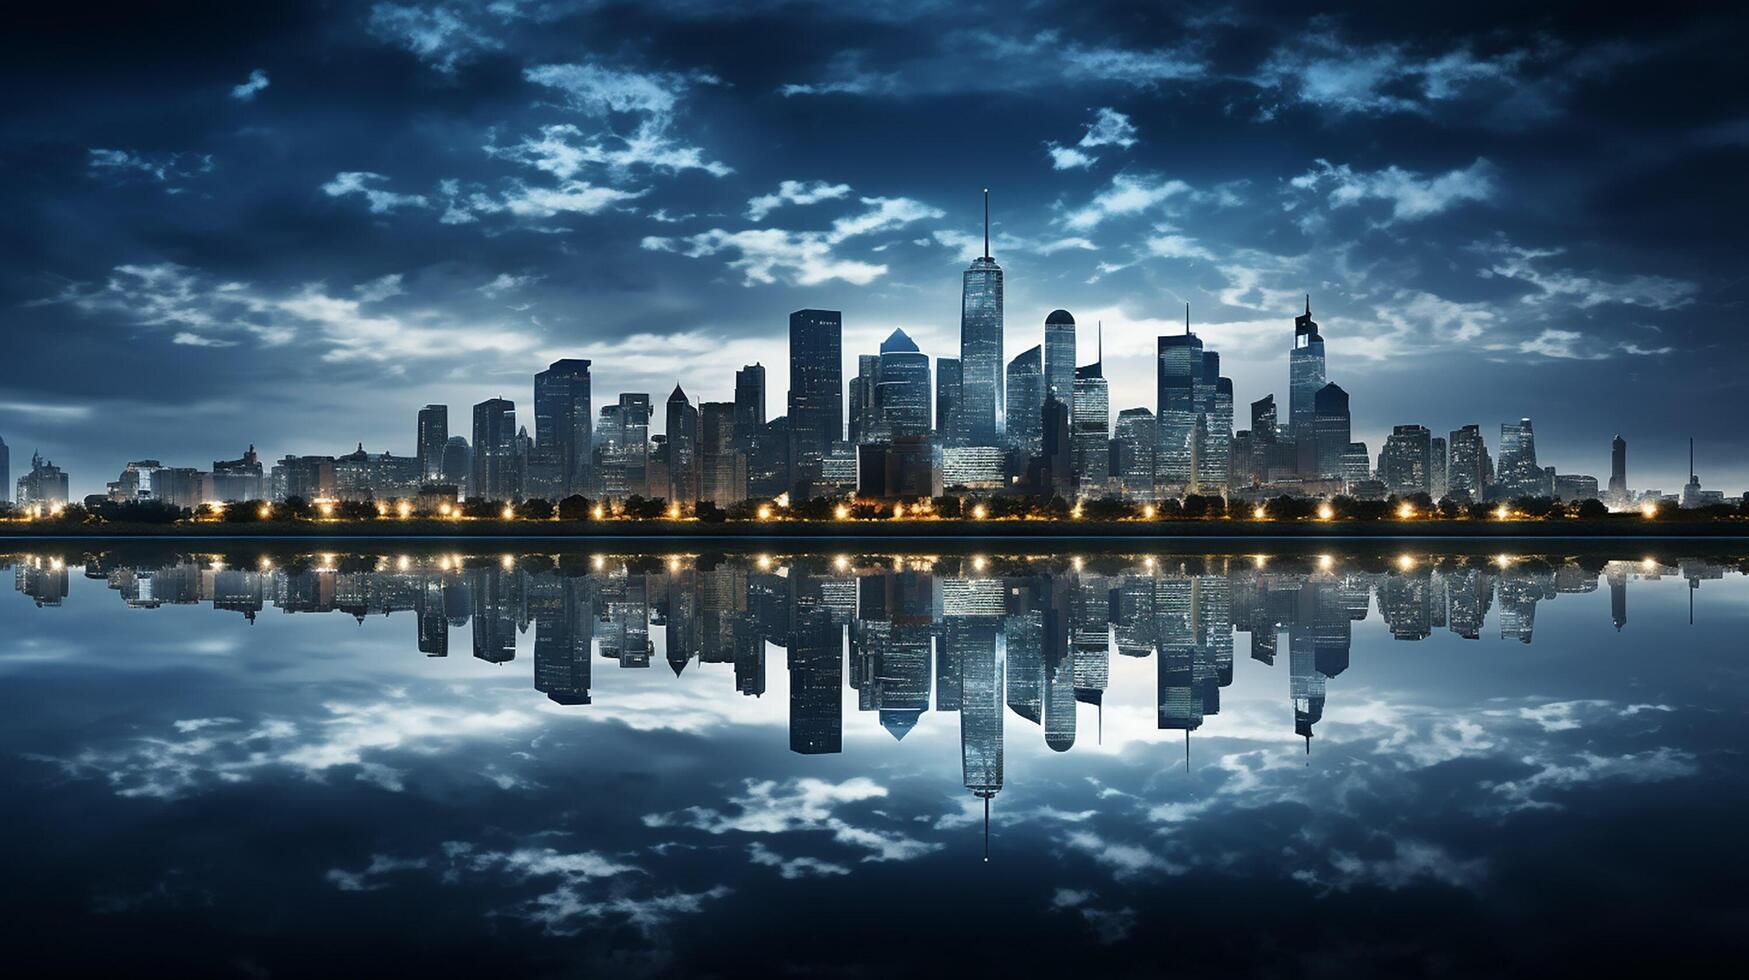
(986, 830)
(986, 222)
(1099, 346)
(1308, 304)
(1187, 319)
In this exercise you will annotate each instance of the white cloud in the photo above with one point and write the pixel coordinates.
(440, 36)
(169, 168)
(796, 867)
(794, 192)
(1561, 344)
(1068, 158)
(1411, 196)
(1171, 246)
(1127, 194)
(802, 257)
(361, 182)
(768, 807)
(1321, 69)
(247, 90)
(203, 312)
(1585, 291)
(597, 91)
(369, 879)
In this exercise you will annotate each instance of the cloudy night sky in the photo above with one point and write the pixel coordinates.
(293, 224)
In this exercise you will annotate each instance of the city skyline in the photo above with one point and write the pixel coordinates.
(1477, 249)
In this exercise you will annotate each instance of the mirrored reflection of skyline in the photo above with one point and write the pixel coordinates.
(611, 762)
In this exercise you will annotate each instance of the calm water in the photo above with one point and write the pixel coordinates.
(1379, 761)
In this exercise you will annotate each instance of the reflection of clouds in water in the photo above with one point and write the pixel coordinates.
(570, 889)
(1390, 779)
(201, 751)
(1109, 926)
(769, 807)
(796, 867)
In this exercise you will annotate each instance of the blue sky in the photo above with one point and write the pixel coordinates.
(294, 224)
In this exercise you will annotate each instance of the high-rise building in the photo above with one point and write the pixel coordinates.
(239, 479)
(1058, 476)
(1026, 400)
(1090, 424)
(816, 391)
(865, 423)
(5, 472)
(45, 484)
(902, 395)
(1356, 465)
(722, 463)
(1519, 475)
(634, 420)
(1137, 435)
(949, 402)
(749, 404)
(1466, 464)
(682, 434)
(1404, 463)
(495, 469)
(458, 463)
(1194, 415)
(1330, 430)
(1618, 471)
(433, 434)
(1438, 463)
(563, 419)
(1306, 374)
(981, 363)
(1059, 357)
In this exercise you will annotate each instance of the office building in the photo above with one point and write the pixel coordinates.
(45, 485)
(682, 445)
(1466, 471)
(496, 468)
(1330, 431)
(816, 392)
(563, 420)
(949, 402)
(981, 363)
(1136, 437)
(1090, 427)
(1618, 473)
(1026, 400)
(428, 443)
(749, 404)
(865, 423)
(1306, 376)
(1059, 357)
(902, 394)
(1405, 463)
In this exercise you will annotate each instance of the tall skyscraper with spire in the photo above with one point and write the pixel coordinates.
(1306, 375)
(1195, 415)
(1618, 471)
(983, 410)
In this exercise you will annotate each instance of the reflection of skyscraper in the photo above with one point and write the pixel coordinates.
(981, 721)
(1618, 591)
(562, 639)
(816, 682)
(494, 609)
(981, 346)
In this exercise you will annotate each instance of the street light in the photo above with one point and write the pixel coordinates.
(979, 512)
(841, 512)
(1326, 512)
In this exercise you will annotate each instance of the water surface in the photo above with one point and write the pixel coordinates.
(1376, 760)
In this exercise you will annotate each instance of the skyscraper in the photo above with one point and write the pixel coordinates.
(1195, 415)
(1438, 485)
(634, 420)
(458, 463)
(816, 391)
(1026, 400)
(433, 435)
(1330, 430)
(5, 472)
(1404, 464)
(1059, 362)
(1306, 374)
(495, 471)
(865, 423)
(45, 484)
(563, 420)
(949, 402)
(902, 395)
(982, 391)
(1090, 424)
(722, 463)
(1519, 476)
(1137, 435)
(1618, 471)
(749, 403)
(681, 429)
(1466, 464)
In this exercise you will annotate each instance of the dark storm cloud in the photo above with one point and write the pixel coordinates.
(233, 224)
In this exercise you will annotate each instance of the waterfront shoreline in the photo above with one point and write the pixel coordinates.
(891, 530)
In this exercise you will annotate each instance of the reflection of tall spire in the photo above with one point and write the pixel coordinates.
(986, 830)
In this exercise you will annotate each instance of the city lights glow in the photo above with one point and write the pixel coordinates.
(1326, 512)
(979, 512)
